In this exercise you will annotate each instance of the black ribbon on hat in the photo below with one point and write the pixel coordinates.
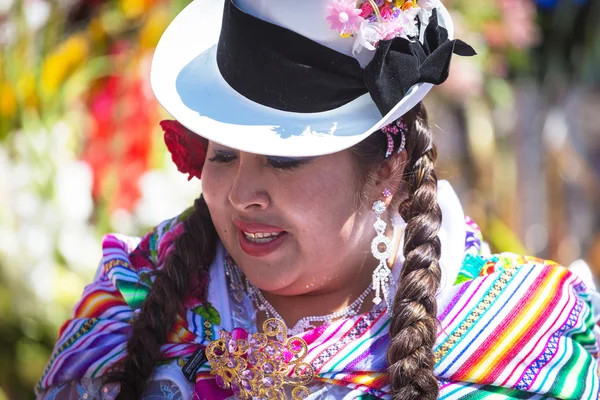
(399, 64)
(282, 69)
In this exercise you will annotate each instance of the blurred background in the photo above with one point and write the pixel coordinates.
(81, 153)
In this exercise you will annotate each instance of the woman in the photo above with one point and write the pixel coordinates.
(323, 259)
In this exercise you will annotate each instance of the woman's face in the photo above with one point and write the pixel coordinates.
(292, 225)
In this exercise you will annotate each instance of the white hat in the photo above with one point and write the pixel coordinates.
(273, 77)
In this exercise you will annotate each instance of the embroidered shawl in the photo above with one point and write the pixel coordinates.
(512, 327)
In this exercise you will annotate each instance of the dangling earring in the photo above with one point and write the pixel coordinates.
(382, 276)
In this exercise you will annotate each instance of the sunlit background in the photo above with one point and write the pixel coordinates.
(81, 153)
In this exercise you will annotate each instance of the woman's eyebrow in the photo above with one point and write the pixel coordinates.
(280, 158)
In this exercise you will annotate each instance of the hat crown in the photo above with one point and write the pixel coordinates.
(307, 18)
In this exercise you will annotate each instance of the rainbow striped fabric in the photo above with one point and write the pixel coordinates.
(514, 327)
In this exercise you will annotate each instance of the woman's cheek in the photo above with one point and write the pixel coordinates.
(213, 186)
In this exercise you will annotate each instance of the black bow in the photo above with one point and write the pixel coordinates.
(399, 64)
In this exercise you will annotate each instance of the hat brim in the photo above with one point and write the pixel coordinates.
(187, 82)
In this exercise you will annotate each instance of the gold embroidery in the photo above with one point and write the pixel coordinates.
(259, 365)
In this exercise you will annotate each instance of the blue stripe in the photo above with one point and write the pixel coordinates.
(458, 356)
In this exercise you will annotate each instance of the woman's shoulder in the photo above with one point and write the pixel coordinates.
(109, 304)
(142, 253)
(518, 324)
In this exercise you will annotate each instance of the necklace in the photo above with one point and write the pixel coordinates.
(307, 322)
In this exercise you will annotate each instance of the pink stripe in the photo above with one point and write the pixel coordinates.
(455, 299)
(324, 342)
(366, 331)
(466, 304)
(561, 315)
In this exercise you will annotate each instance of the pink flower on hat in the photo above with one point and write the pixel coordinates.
(344, 17)
(402, 26)
(386, 12)
(366, 9)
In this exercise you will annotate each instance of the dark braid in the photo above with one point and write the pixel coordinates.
(194, 251)
(414, 324)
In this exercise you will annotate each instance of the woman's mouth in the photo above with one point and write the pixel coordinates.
(262, 237)
(259, 240)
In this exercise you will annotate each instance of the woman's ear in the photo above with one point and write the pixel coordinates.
(389, 176)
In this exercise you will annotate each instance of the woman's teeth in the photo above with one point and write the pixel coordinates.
(261, 237)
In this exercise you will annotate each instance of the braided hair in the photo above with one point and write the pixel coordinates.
(193, 253)
(414, 325)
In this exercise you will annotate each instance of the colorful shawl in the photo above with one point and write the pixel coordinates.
(512, 327)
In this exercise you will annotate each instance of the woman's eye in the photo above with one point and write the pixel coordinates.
(222, 157)
(285, 163)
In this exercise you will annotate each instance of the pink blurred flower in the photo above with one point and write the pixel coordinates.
(344, 17)
(386, 12)
(402, 26)
(366, 9)
(465, 79)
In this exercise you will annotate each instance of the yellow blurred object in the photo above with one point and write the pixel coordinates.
(26, 90)
(133, 9)
(62, 62)
(96, 30)
(153, 29)
(502, 238)
(408, 4)
(68, 287)
(8, 100)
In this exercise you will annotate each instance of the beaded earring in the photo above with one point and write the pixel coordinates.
(382, 276)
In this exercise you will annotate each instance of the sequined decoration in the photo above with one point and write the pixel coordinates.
(260, 365)
(381, 248)
(393, 129)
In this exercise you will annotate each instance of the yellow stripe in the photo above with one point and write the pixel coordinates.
(518, 327)
(93, 301)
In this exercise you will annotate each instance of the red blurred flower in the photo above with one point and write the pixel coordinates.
(123, 113)
(188, 150)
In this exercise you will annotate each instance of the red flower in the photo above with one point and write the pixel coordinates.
(188, 150)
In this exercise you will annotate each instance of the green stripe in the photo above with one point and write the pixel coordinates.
(489, 391)
(569, 375)
(586, 337)
(105, 361)
(134, 293)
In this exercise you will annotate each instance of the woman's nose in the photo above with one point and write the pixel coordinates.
(248, 191)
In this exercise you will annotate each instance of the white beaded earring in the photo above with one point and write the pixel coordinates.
(382, 276)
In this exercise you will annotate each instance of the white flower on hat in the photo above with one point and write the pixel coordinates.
(403, 26)
(428, 5)
(366, 36)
